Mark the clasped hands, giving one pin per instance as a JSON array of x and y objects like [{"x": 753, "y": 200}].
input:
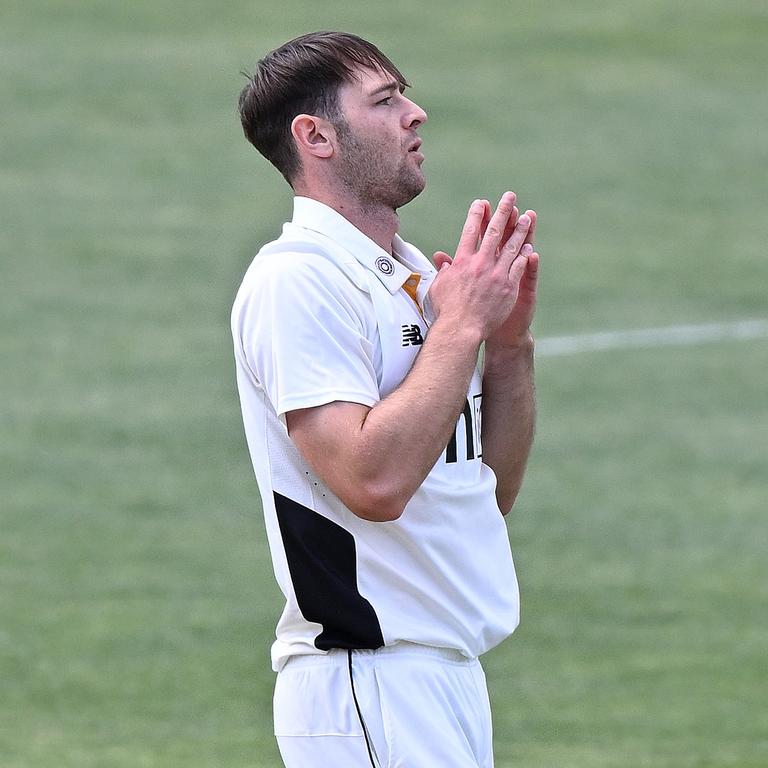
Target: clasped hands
[{"x": 489, "y": 286}]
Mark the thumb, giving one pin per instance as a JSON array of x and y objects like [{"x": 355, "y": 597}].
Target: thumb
[{"x": 441, "y": 260}]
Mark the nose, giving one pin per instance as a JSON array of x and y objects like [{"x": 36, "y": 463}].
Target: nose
[{"x": 414, "y": 115}]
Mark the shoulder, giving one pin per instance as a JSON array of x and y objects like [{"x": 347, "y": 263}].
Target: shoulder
[
  {"x": 301, "y": 280},
  {"x": 300, "y": 266}
]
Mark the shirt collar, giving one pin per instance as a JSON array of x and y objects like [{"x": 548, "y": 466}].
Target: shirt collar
[{"x": 320, "y": 218}]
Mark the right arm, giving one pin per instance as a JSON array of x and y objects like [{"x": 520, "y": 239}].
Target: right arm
[{"x": 375, "y": 458}]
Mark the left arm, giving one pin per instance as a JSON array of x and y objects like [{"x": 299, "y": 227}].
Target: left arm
[
  {"x": 509, "y": 416},
  {"x": 509, "y": 401},
  {"x": 509, "y": 404}
]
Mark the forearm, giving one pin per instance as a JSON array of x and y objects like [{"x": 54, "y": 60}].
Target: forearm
[{"x": 509, "y": 416}]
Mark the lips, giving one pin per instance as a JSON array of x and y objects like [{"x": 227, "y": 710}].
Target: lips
[{"x": 414, "y": 151}]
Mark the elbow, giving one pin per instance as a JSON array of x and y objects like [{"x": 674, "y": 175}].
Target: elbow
[
  {"x": 506, "y": 501},
  {"x": 378, "y": 502}
]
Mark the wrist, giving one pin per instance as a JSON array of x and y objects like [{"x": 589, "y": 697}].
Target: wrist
[
  {"x": 460, "y": 332},
  {"x": 508, "y": 360},
  {"x": 518, "y": 347}
]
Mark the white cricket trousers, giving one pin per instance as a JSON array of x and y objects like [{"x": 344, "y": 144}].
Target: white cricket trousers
[{"x": 402, "y": 706}]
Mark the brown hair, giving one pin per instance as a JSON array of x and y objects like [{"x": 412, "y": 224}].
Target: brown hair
[{"x": 302, "y": 77}]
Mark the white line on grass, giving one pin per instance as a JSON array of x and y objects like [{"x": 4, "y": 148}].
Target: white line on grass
[{"x": 670, "y": 336}]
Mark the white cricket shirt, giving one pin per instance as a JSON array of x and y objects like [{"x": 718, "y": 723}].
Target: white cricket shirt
[{"x": 322, "y": 316}]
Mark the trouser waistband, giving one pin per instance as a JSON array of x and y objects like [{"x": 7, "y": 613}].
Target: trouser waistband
[{"x": 396, "y": 649}]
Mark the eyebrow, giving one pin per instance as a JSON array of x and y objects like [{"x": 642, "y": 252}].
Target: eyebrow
[{"x": 392, "y": 85}]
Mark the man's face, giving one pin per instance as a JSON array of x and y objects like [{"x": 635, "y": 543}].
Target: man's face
[{"x": 378, "y": 155}]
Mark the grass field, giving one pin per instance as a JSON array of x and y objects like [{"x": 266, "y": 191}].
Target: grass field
[{"x": 137, "y": 602}]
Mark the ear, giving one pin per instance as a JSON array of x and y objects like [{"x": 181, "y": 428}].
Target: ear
[{"x": 313, "y": 135}]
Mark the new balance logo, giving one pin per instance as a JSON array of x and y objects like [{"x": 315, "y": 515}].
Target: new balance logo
[{"x": 412, "y": 335}]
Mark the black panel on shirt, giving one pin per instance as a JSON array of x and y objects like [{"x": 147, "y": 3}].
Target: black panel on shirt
[{"x": 322, "y": 562}]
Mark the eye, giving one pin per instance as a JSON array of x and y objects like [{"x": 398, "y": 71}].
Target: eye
[{"x": 386, "y": 101}]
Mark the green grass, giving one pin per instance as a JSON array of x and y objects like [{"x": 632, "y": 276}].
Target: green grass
[{"x": 137, "y": 601}]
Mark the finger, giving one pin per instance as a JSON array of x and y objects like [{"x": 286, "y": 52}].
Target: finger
[
  {"x": 526, "y": 251},
  {"x": 486, "y": 220},
  {"x": 441, "y": 259},
  {"x": 532, "y": 267},
  {"x": 510, "y": 228},
  {"x": 526, "y": 291},
  {"x": 513, "y": 246},
  {"x": 517, "y": 270},
  {"x": 472, "y": 228},
  {"x": 532, "y": 231},
  {"x": 532, "y": 273},
  {"x": 497, "y": 225}
]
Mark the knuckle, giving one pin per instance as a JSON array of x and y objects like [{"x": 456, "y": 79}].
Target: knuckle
[{"x": 476, "y": 270}]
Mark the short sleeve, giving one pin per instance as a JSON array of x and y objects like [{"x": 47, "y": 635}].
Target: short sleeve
[{"x": 301, "y": 327}]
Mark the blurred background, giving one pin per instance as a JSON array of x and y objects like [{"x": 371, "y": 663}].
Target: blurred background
[{"x": 137, "y": 602}]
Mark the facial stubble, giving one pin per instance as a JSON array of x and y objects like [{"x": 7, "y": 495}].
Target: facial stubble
[{"x": 367, "y": 170}]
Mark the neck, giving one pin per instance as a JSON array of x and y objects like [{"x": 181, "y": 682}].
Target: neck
[{"x": 375, "y": 220}]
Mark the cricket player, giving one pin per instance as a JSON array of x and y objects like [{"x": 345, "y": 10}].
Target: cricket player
[{"x": 385, "y": 455}]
